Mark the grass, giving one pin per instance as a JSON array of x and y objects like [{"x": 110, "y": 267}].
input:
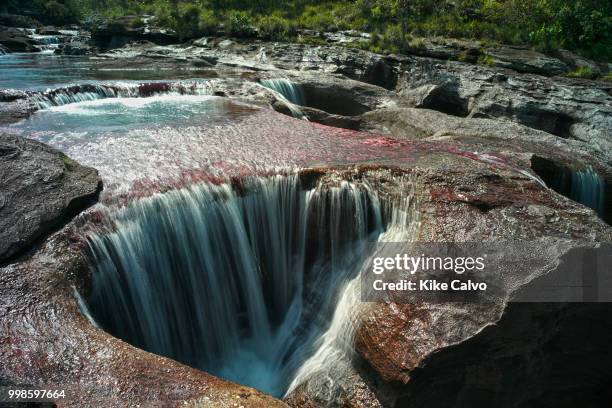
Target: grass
[
  {"x": 582, "y": 72},
  {"x": 486, "y": 60},
  {"x": 69, "y": 164},
  {"x": 607, "y": 77}
]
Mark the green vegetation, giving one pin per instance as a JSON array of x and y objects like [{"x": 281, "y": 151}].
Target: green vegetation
[
  {"x": 583, "y": 26},
  {"x": 69, "y": 164},
  {"x": 486, "y": 60},
  {"x": 607, "y": 77},
  {"x": 582, "y": 72}
]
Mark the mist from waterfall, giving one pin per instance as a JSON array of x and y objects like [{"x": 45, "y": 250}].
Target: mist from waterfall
[{"x": 240, "y": 282}]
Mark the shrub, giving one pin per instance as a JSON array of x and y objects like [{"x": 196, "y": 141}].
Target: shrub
[
  {"x": 239, "y": 24},
  {"x": 276, "y": 28},
  {"x": 209, "y": 22},
  {"x": 583, "y": 26},
  {"x": 57, "y": 11},
  {"x": 485, "y": 59},
  {"x": 137, "y": 22},
  {"x": 317, "y": 18},
  {"x": 582, "y": 72},
  {"x": 188, "y": 22}
]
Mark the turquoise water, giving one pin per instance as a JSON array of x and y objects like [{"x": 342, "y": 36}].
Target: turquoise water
[
  {"x": 100, "y": 117},
  {"x": 38, "y": 71}
]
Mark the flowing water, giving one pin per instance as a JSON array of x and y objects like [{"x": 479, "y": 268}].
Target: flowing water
[
  {"x": 257, "y": 282},
  {"x": 39, "y": 71},
  {"x": 240, "y": 285},
  {"x": 287, "y": 92},
  {"x": 254, "y": 283}
]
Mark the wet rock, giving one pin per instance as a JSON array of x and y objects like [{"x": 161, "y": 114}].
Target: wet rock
[
  {"x": 75, "y": 48},
  {"x": 524, "y": 60},
  {"x": 325, "y": 118},
  {"x": 483, "y": 133},
  {"x": 45, "y": 338},
  {"x": 341, "y": 96},
  {"x": 41, "y": 188},
  {"x": 505, "y": 366},
  {"x": 18, "y": 40},
  {"x": 418, "y": 347},
  {"x": 564, "y": 107},
  {"x": 48, "y": 30}
]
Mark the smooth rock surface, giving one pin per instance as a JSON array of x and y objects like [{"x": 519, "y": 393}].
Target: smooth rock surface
[
  {"x": 40, "y": 189},
  {"x": 44, "y": 339}
]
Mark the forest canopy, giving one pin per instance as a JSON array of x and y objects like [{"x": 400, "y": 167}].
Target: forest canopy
[{"x": 583, "y": 26}]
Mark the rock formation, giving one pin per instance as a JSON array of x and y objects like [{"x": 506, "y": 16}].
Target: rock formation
[{"x": 483, "y": 137}]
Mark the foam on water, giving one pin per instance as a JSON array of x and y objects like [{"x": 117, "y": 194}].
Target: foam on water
[{"x": 240, "y": 285}]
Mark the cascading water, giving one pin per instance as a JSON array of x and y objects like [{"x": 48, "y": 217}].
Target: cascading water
[
  {"x": 288, "y": 92},
  {"x": 49, "y": 43},
  {"x": 285, "y": 87},
  {"x": 588, "y": 188},
  {"x": 238, "y": 284},
  {"x": 90, "y": 92},
  {"x": 584, "y": 186}
]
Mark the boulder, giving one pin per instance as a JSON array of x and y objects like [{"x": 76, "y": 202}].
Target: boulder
[
  {"x": 40, "y": 189},
  {"x": 75, "y": 48},
  {"x": 201, "y": 42},
  {"x": 524, "y": 60},
  {"x": 18, "y": 40},
  {"x": 46, "y": 338},
  {"x": 564, "y": 107},
  {"x": 225, "y": 44}
]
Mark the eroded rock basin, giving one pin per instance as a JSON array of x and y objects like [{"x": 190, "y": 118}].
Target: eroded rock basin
[{"x": 196, "y": 183}]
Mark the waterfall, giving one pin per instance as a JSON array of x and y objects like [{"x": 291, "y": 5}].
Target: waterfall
[
  {"x": 49, "y": 43},
  {"x": 588, "y": 188},
  {"x": 334, "y": 348},
  {"x": 288, "y": 92},
  {"x": 584, "y": 186},
  {"x": 285, "y": 87},
  {"x": 89, "y": 92},
  {"x": 238, "y": 281}
]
